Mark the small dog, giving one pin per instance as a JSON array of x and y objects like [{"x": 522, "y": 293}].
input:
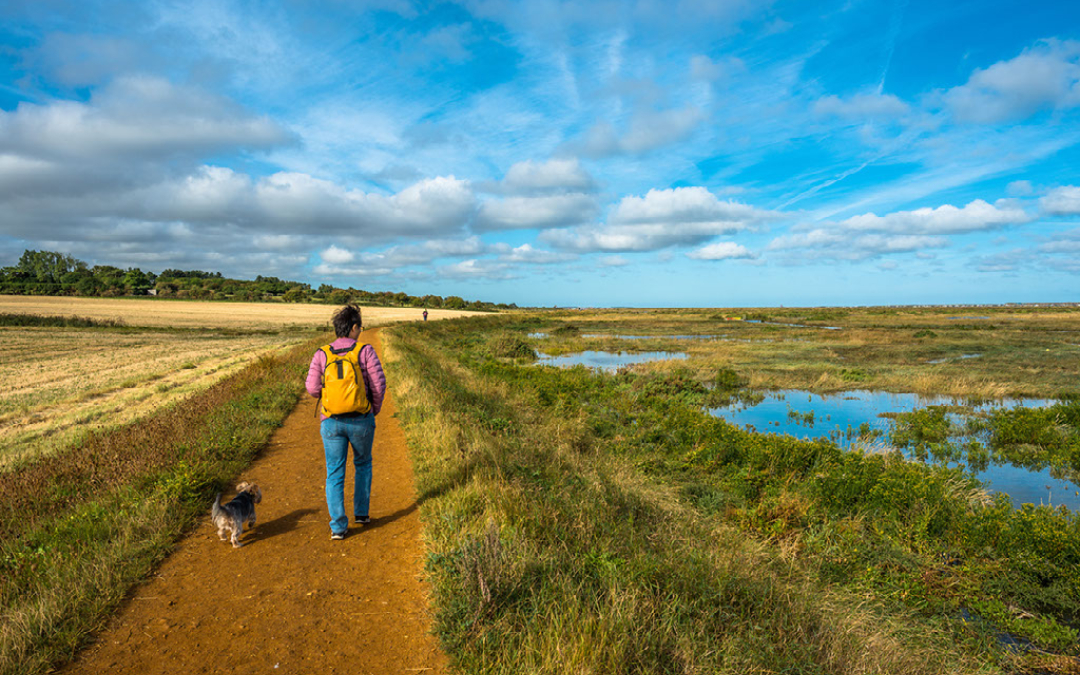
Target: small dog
[{"x": 232, "y": 515}]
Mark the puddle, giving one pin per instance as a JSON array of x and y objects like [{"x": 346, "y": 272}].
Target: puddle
[
  {"x": 843, "y": 417},
  {"x": 955, "y": 358},
  {"x": 791, "y": 325},
  {"x": 654, "y": 337},
  {"x": 606, "y": 361}
]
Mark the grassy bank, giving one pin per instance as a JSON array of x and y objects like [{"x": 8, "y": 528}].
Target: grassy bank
[
  {"x": 79, "y": 528},
  {"x": 579, "y": 522}
]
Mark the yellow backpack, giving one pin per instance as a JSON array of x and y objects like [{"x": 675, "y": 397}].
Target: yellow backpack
[{"x": 344, "y": 390}]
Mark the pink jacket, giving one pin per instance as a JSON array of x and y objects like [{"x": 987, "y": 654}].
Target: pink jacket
[{"x": 369, "y": 364}]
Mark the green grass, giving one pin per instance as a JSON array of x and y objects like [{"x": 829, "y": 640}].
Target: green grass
[{"x": 579, "y": 522}]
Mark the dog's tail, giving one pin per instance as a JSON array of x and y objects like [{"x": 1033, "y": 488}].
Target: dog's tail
[{"x": 215, "y": 511}]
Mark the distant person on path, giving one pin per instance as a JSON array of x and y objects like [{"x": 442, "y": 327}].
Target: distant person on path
[
  {"x": 350, "y": 394},
  {"x": 425, "y": 315}
]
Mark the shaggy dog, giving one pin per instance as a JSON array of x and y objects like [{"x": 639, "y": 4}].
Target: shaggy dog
[{"x": 230, "y": 517}]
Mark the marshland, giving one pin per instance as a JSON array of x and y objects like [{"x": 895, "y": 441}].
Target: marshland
[
  {"x": 610, "y": 519},
  {"x": 602, "y": 519}
]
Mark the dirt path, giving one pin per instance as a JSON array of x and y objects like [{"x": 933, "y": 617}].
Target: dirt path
[{"x": 290, "y": 600}]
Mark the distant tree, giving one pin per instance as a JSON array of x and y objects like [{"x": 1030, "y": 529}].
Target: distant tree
[
  {"x": 453, "y": 302},
  {"x": 47, "y": 266}
]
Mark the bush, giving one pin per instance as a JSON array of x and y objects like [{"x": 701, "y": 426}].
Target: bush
[{"x": 510, "y": 346}]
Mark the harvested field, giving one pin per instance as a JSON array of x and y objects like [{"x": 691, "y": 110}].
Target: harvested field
[
  {"x": 59, "y": 384},
  {"x": 62, "y": 382},
  {"x": 159, "y": 312}
]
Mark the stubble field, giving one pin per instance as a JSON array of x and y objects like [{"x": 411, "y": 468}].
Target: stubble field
[{"x": 61, "y": 382}]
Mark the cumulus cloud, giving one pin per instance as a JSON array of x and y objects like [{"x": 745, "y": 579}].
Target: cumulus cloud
[
  {"x": 335, "y": 255},
  {"x": 1062, "y": 201},
  {"x": 722, "y": 250},
  {"x": 870, "y": 235},
  {"x": 281, "y": 203},
  {"x": 1044, "y": 77},
  {"x": 342, "y": 262},
  {"x": 477, "y": 269},
  {"x": 554, "y": 175},
  {"x": 861, "y": 106},
  {"x": 646, "y": 132},
  {"x": 848, "y": 246},
  {"x": 519, "y": 213},
  {"x": 946, "y": 219},
  {"x": 662, "y": 218},
  {"x": 526, "y": 253},
  {"x": 136, "y": 118}
]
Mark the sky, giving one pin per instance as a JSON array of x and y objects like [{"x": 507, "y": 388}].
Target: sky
[{"x": 657, "y": 153}]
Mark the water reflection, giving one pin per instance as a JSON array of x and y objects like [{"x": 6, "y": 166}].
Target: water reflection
[
  {"x": 855, "y": 420},
  {"x": 606, "y": 361}
]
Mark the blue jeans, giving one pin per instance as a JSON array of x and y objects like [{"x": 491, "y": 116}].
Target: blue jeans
[{"x": 337, "y": 434}]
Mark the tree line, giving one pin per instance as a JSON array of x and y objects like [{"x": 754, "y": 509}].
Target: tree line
[{"x": 52, "y": 273}]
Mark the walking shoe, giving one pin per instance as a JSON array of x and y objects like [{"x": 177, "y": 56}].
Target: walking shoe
[
  {"x": 362, "y": 520},
  {"x": 336, "y": 537}
]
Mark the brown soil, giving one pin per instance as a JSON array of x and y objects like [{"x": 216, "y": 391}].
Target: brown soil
[{"x": 290, "y": 600}]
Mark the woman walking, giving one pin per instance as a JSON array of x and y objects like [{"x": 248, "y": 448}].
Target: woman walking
[{"x": 347, "y": 378}]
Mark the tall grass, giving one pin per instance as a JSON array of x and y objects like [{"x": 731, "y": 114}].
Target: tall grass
[
  {"x": 77, "y": 530},
  {"x": 554, "y": 549}
]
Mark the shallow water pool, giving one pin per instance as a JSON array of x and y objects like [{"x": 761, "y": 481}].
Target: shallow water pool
[
  {"x": 839, "y": 417},
  {"x": 606, "y": 361}
]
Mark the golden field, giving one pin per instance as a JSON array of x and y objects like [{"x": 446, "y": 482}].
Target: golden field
[
  {"x": 61, "y": 382},
  {"x": 160, "y": 312}
]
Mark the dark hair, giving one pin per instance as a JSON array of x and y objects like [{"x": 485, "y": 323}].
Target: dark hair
[{"x": 345, "y": 318}]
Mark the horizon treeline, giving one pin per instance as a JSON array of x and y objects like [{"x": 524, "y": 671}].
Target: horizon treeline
[{"x": 52, "y": 273}]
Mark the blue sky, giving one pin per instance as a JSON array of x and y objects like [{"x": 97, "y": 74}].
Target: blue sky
[{"x": 676, "y": 153}]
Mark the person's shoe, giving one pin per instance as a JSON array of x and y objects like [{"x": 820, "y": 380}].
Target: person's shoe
[
  {"x": 337, "y": 537},
  {"x": 362, "y": 520}
]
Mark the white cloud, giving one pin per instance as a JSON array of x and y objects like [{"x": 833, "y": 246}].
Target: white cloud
[
  {"x": 704, "y": 68},
  {"x": 723, "y": 250},
  {"x": 870, "y": 235},
  {"x": 335, "y": 255},
  {"x": 647, "y": 131},
  {"x": 476, "y": 269},
  {"x": 554, "y": 175},
  {"x": 614, "y": 261},
  {"x": 520, "y": 213},
  {"x": 946, "y": 219},
  {"x": 277, "y": 204},
  {"x": 136, "y": 118},
  {"x": 662, "y": 218},
  {"x": 1019, "y": 188},
  {"x": 1062, "y": 201},
  {"x": 526, "y": 253},
  {"x": 840, "y": 245},
  {"x": 1044, "y": 77},
  {"x": 861, "y": 106}
]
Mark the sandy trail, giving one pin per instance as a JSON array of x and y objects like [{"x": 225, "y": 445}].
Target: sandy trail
[{"x": 290, "y": 600}]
